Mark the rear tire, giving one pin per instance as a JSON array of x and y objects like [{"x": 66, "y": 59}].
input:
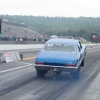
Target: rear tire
[
  {"x": 41, "y": 73},
  {"x": 76, "y": 75},
  {"x": 59, "y": 72}
]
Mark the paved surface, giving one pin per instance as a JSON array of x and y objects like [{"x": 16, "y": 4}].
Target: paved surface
[{"x": 21, "y": 82}]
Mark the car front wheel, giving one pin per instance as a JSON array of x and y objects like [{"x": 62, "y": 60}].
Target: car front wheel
[{"x": 82, "y": 63}]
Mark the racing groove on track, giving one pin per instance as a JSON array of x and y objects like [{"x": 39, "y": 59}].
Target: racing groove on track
[{"x": 27, "y": 86}]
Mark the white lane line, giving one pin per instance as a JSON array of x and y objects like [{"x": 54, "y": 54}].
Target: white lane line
[
  {"x": 15, "y": 68},
  {"x": 22, "y": 62}
]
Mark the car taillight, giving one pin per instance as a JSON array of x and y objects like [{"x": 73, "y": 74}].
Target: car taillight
[
  {"x": 70, "y": 65},
  {"x": 39, "y": 63}
]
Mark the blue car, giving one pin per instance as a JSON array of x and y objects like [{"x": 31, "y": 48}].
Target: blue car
[{"x": 60, "y": 55}]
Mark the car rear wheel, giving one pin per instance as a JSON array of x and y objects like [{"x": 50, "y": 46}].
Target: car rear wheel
[
  {"x": 76, "y": 75},
  {"x": 41, "y": 73},
  {"x": 59, "y": 72}
]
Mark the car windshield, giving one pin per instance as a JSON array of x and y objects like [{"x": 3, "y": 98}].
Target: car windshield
[{"x": 60, "y": 47}]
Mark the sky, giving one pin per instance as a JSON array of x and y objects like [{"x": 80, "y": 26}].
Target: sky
[{"x": 65, "y": 8}]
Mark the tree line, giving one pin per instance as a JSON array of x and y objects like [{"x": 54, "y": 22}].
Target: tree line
[{"x": 61, "y": 26}]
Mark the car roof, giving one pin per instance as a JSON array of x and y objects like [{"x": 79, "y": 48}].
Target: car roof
[{"x": 58, "y": 40}]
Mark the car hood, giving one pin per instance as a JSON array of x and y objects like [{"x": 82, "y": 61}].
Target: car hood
[{"x": 58, "y": 57}]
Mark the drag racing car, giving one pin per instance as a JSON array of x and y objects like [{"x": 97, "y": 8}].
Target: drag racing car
[{"x": 61, "y": 55}]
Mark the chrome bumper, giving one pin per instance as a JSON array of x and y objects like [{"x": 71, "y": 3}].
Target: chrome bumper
[{"x": 62, "y": 68}]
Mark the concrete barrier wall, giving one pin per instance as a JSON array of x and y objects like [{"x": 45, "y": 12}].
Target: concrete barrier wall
[
  {"x": 26, "y": 46},
  {"x": 20, "y": 46}
]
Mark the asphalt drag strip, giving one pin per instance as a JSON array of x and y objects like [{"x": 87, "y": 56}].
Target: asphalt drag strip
[
  {"x": 6, "y": 67},
  {"x": 22, "y": 84},
  {"x": 13, "y": 75}
]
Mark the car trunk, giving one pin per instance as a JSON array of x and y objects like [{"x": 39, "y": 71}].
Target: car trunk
[{"x": 56, "y": 58}]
